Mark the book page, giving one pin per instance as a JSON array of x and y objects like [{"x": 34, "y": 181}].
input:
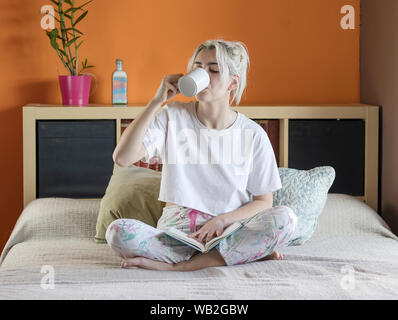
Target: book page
[
  {"x": 227, "y": 232},
  {"x": 183, "y": 236}
]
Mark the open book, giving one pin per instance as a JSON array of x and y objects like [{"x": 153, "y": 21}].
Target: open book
[{"x": 203, "y": 247}]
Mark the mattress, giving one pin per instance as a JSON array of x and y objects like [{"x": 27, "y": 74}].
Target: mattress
[{"x": 352, "y": 255}]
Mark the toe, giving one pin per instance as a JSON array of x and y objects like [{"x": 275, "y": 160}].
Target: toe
[
  {"x": 132, "y": 262},
  {"x": 278, "y": 256}
]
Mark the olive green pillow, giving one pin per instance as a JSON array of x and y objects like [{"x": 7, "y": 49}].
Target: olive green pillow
[{"x": 132, "y": 193}]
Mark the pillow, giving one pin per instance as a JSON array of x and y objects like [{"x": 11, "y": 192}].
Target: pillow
[
  {"x": 132, "y": 193},
  {"x": 305, "y": 192}
]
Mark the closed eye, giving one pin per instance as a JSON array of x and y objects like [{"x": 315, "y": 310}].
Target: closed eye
[{"x": 212, "y": 71}]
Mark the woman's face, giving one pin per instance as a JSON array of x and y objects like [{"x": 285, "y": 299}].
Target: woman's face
[{"x": 218, "y": 88}]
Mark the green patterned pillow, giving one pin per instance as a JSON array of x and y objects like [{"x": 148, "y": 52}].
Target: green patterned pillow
[{"x": 305, "y": 192}]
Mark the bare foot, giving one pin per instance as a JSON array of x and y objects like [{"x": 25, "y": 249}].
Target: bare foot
[
  {"x": 273, "y": 256},
  {"x": 145, "y": 263}
]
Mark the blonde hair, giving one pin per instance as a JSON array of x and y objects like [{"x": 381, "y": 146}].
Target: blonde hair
[{"x": 232, "y": 58}]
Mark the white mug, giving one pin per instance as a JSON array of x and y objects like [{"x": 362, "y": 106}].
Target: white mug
[{"x": 194, "y": 82}]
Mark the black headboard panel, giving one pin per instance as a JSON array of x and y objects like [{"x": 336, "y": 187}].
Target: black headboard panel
[
  {"x": 74, "y": 157},
  {"x": 329, "y": 142}
]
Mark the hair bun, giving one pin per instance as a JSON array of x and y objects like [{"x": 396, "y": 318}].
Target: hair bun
[{"x": 238, "y": 50}]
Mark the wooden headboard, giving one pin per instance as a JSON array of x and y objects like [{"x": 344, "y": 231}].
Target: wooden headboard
[{"x": 313, "y": 123}]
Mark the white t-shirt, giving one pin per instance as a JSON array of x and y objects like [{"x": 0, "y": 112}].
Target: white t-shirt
[{"x": 213, "y": 171}]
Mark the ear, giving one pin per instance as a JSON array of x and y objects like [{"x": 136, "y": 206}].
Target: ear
[{"x": 234, "y": 82}]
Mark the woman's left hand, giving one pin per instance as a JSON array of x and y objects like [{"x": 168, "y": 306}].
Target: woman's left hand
[{"x": 214, "y": 227}]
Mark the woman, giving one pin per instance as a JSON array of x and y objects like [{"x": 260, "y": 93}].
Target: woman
[{"x": 210, "y": 194}]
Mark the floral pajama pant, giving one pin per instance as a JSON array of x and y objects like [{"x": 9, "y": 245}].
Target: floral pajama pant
[{"x": 260, "y": 235}]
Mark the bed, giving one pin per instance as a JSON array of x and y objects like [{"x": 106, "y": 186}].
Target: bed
[{"x": 352, "y": 254}]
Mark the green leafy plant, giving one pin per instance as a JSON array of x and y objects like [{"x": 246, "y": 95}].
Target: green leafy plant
[{"x": 64, "y": 37}]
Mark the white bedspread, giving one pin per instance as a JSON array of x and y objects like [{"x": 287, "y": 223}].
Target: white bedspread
[{"x": 352, "y": 255}]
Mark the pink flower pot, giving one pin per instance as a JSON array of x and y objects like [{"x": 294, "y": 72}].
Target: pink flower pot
[{"x": 75, "y": 90}]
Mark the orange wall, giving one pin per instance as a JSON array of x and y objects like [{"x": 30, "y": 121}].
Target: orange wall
[{"x": 299, "y": 54}]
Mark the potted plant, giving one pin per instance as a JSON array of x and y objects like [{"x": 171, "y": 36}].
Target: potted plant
[{"x": 75, "y": 88}]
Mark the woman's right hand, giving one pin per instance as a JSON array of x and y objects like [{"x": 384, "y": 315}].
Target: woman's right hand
[{"x": 168, "y": 88}]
